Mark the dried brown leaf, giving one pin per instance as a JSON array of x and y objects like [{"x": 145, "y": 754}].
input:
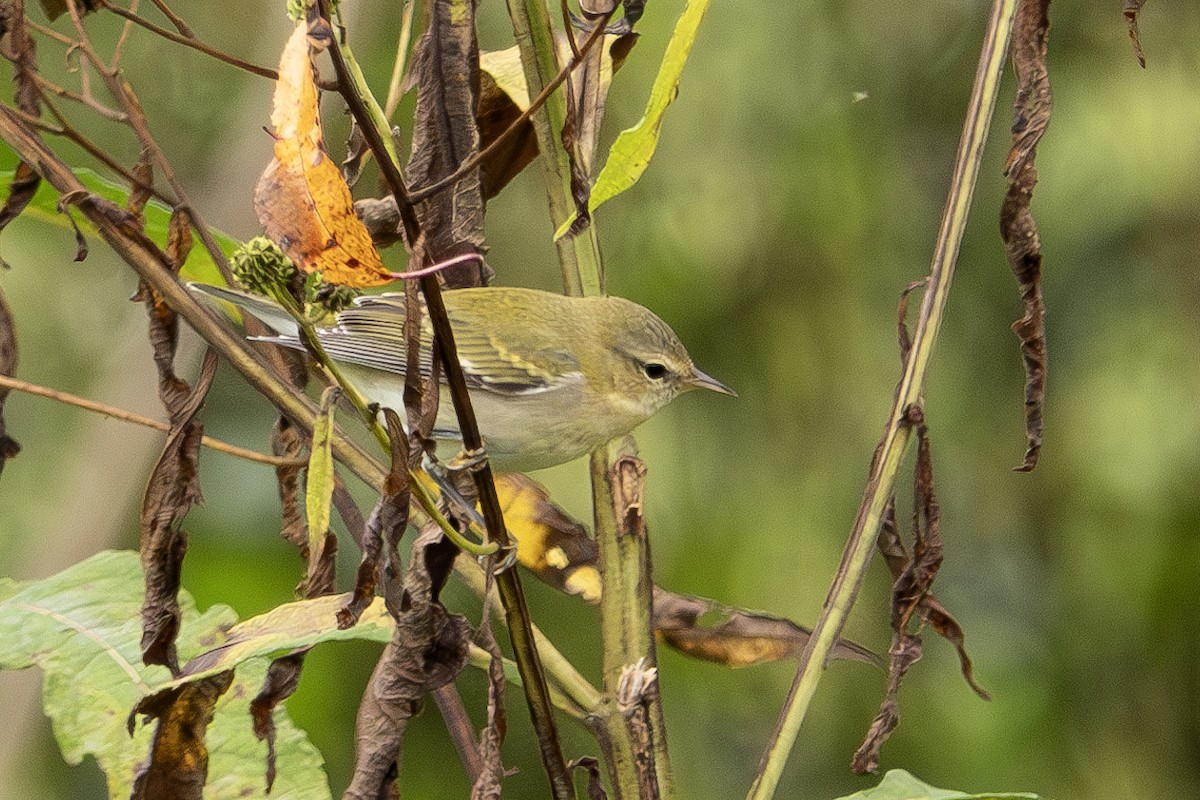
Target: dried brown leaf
[
  {"x": 445, "y": 134},
  {"x": 428, "y": 649},
  {"x": 595, "y": 786},
  {"x": 497, "y": 113},
  {"x": 8, "y": 366},
  {"x": 488, "y": 785},
  {"x": 173, "y": 488},
  {"x": 287, "y": 441},
  {"x": 178, "y": 763},
  {"x": 56, "y": 8},
  {"x": 733, "y": 637},
  {"x": 381, "y": 557},
  {"x": 281, "y": 682},
  {"x": 1131, "y": 11},
  {"x": 627, "y": 477},
  {"x": 504, "y": 95},
  {"x": 912, "y": 595},
  {"x": 1022, "y": 245},
  {"x": 21, "y": 190},
  {"x": 179, "y": 238},
  {"x": 906, "y": 651},
  {"x": 139, "y": 191},
  {"x": 357, "y": 151},
  {"x": 64, "y": 208}
]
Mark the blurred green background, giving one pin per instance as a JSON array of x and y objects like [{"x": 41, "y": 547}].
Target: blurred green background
[{"x": 774, "y": 230}]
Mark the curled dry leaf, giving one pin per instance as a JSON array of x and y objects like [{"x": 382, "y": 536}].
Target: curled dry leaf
[
  {"x": 912, "y": 599},
  {"x": 428, "y": 649},
  {"x": 173, "y": 488},
  {"x": 445, "y": 134},
  {"x": 1131, "y": 11},
  {"x": 491, "y": 775},
  {"x": 8, "y": 366},
  {"x": 906, "y": 651},
  {"x": 595, "y": 786},
  {"x": 178, "y": 762},
  {"x": 302, "y": 200},
  {"x": 1017, "y": 227},
  {"x": 710, "y": 631},
  {"x": 283, "y": 678},
  {"x": 380, "y": 562},
  {"x": 23, "y": 53}
]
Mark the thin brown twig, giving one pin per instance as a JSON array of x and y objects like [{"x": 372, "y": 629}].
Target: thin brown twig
[
  {"x": 67, "y": 130},
  {"x": 568, "y": 28},
  {"x": 176, "y": 20},
  {"x": 136, "y": 119},
  {"x": 85, "y": 98},
  {"x": 137, "y": 419},
  {"x": 124, "y": 37},
  {"x": 50, "y": 32},
  {"x": 417, "y": 195},
  {"x": 189, "y": 41}
]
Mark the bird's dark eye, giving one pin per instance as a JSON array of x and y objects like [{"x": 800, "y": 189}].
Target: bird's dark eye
[{"x": 655, "y": 372}]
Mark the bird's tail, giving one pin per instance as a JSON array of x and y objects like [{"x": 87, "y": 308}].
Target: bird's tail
[{"x": 262, "y": 307}]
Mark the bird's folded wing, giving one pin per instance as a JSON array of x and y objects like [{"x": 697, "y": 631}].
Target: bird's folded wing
[{"x": 523, "y": 362}]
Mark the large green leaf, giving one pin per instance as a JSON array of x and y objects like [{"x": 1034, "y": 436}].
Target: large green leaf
[
  {"x": 44, "y": 206},
  {"x": 82, "y": 627},
  {"x": 900, "y": 785}
]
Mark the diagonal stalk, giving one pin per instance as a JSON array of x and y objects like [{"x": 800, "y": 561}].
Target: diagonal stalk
[
  {"x": 905, "y": 410},
  {"x": 537, "y": 693}
]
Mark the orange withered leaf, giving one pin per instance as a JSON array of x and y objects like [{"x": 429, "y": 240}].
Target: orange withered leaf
[{"x": 301, "y": 199}]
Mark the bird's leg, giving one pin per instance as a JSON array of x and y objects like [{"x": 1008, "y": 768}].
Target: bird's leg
[
  {"x": 468, "y": 460},
  {"x": 443, "y": 475}
]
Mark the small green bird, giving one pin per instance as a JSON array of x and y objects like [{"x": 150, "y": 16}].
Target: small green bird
[{"x": 551, "y": 377}]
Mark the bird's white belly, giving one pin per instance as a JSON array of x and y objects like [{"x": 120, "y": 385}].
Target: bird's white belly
[{"x": 520, "y": 432}]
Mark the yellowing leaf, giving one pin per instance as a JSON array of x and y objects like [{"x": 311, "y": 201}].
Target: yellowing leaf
[
  {"x": 549, "y": 543},
  {"x": 301, "y": 199}
]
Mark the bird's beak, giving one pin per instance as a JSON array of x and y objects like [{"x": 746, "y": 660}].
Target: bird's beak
[{"x": 698, "y": 380}]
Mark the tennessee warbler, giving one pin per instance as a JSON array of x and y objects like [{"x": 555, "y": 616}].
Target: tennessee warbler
[{"x": 551, "y": 377}]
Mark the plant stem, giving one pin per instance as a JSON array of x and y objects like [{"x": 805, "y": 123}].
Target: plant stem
[
  {"x": 857, "y": 554},
  {"x": 579, "y": 256}
]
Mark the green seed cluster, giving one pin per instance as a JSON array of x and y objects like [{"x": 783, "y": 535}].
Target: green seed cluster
[{"x": 262, "y": 267}]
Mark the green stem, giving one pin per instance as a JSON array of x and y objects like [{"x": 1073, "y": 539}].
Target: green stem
[
  {"x": 880, "y": 485},
  {"x": 579, "y": 256}
]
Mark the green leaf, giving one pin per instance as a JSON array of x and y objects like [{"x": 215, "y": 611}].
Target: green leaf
[
  {"x": 82, "y": 627},
  {"x": 44, "y": 206},
  {"x": 631, "y": 152},
  {"x": 318, "y": 492},
  {"x": 900, "y": 785}
]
